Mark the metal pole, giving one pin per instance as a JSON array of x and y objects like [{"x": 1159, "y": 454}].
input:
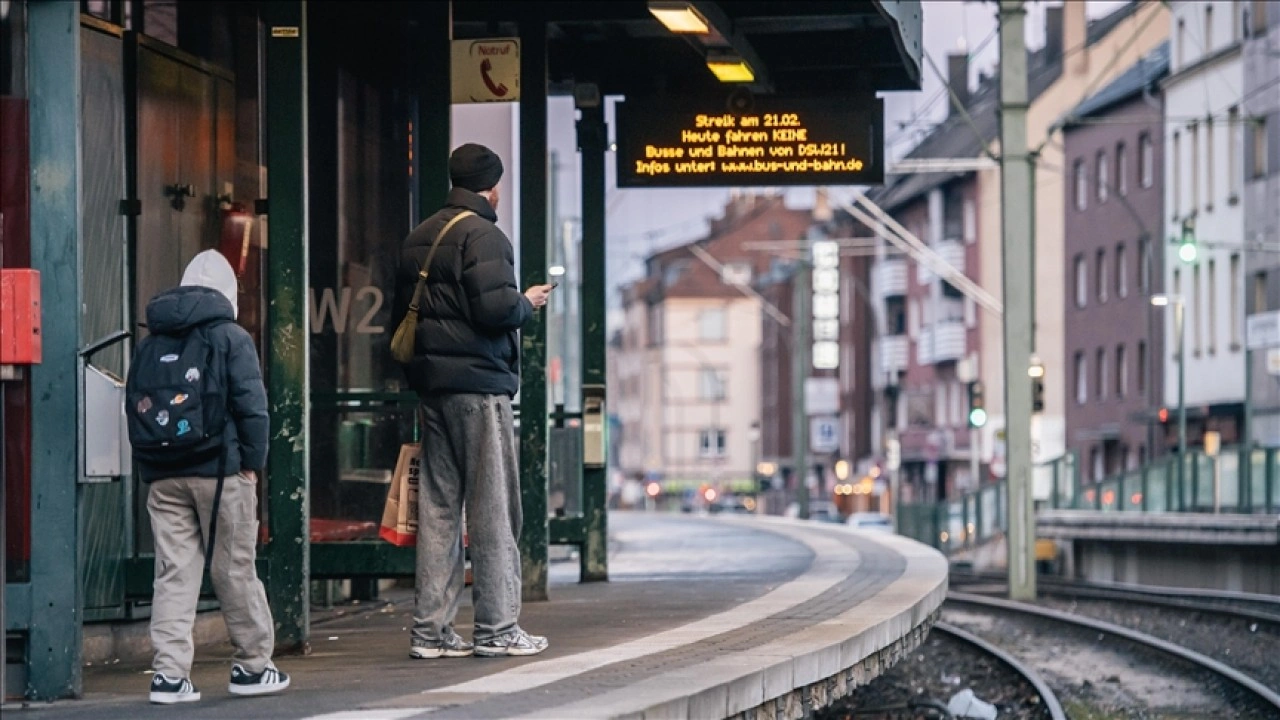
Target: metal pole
[
  {"x": 593, "y": 143},
  {"x": 1245, "y": 501},
  {"x": 1018, "y": 240},
  {"x": 974, "y": 482},
  {"x": 799, "y": 372},
  {"x": 1179, "y": 316}
]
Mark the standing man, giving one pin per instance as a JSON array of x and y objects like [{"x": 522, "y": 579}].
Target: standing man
[
  {"x": 198, "y": 423},
  {"x": 466, "y": 370}
]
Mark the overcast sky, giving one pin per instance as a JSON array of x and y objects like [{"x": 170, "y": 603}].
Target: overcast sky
[{"x": 641, "y": 221}]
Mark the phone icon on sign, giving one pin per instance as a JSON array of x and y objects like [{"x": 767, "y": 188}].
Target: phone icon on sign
[{"x": 498, "y": 89}]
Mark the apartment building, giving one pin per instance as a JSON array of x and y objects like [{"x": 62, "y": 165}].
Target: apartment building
[
  {"x": 1114, "y": 253},
  {"x": 942, "y": 340},
  {"x": 688, "y": 398},
  {"x": 1260, "y": 116},
  {"x": 1204, "y": 133}
]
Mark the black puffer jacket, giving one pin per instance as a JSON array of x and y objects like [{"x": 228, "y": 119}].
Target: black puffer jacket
[
  {"x": 466, "y": 340},
  {"x": 234, "y": 364}
]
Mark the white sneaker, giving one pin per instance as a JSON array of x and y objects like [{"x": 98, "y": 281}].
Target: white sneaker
[
  {"x": 268, "y": 681},
  {"x": 515, "y": 643}
]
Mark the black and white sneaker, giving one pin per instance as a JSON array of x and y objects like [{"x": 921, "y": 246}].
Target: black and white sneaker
[
  {"x": 167, "y": 691},
  {"x": 450, "y": 645},
  {"x": 268, "y": 681},
  {"x": 515, "y": 643}
]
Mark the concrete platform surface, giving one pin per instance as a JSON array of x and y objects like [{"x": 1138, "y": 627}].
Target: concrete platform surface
[{"x": 702, "y": 618}]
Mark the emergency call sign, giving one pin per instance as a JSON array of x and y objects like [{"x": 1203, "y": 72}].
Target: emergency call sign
[{"x": 777, "y": 141}]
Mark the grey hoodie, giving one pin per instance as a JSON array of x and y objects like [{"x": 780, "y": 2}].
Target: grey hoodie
[{"x": 208, "y": 295}]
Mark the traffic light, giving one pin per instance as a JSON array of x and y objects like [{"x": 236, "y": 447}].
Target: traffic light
[
  {"x": 1036, "y": 371},
  {"x": 977, "y": 406},
  {"x": 1187, "y": 249},
  {"x": 1163, "y": 415}
]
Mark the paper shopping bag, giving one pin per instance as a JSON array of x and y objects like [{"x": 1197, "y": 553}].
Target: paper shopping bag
[{"x": 400, "y": 514}]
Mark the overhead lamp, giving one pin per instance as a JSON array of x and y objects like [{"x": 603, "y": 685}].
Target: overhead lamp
[
  {"x": 730, "y": 69},
  {"x": 680, "y": 17}
]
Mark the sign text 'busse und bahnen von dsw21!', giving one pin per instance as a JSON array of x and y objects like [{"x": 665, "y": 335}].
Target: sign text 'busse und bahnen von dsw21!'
[{"x": 776, "y": 142}]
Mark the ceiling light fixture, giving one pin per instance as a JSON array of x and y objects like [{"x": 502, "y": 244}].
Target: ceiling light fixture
[
  {"x": 730, "y": 69},
  {"x": 680, "y": 17}
]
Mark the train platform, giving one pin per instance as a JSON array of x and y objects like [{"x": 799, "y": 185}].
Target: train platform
[{"x": 703, "y": 617}]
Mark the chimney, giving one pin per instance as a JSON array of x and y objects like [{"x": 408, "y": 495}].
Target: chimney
[
  {"x": 1053, "y": 33},
  {"x": 1074, "y": 31},
  {"x": 958, "y": 79}
]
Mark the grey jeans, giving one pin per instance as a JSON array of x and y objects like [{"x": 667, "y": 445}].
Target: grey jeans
[
  {"x": 469, "y": 461},
  {"x": 180, "y": 510}
]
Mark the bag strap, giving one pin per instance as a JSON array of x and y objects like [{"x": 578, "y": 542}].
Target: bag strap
[
  {"x": 426, "y": 267},
  {"x": 217, "y": 507}
]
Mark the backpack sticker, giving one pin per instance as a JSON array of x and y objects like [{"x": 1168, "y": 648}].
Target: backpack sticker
[
  {"x": 193, "y": 374},
  {"x": 144, "y": 405},
  {"x": 162, "y": 418},
  {"x": 184, "y": 427},
  {"x": 171, "y": 357},
  {"x": 178, "y": 399}
]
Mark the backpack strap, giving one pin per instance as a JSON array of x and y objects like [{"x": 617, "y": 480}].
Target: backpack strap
[{"x": 212, "y": 546}]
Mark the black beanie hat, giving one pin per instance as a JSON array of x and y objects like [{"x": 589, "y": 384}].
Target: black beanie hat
[{"x": 474, "y": 167}]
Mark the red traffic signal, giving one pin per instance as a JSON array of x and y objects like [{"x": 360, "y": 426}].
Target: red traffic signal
[{"x": 1163, "y": 415}]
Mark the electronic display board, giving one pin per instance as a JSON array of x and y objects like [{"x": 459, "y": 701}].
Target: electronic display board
[{"x": 777, "y": 141}]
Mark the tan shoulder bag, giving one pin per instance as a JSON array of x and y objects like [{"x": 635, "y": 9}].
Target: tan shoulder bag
[{"x": 402, "y": 341}]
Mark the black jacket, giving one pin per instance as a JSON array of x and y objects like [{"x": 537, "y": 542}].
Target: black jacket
[
  {"x": 235, "y": 364},
  {"x": 472, "y": 308}
]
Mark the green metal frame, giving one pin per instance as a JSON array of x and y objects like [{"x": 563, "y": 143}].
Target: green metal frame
[
  {"x": 54, "y": 619},
  {"x": 533, "y": 266},
  {"x": 288, "y": 499}
]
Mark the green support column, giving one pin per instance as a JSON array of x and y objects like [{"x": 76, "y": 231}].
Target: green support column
[
  {"x": 533, "y": 269},
  {"x": 288, "y": 381},
  {"x": 435, "y": 98},
  {"x": 592, "y": 142},
  {"x": 54, "y": 641}
]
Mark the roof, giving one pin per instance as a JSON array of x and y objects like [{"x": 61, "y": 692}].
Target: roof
[
  {"x": 955, "y": 138},
  {"x": 1142, "y": 76}
]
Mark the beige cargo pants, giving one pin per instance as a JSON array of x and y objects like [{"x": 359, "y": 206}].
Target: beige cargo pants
[{"x": 180, "y": 511}]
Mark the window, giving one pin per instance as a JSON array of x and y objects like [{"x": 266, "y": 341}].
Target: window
[
  {"x": 711, "y": 384},
  {"x": 1103, "y": 373},
  {"x": 1104, "y": 182},
  {"x": 970, "y": 220},
  {"x": 1208, "y": 165},
  {"x": 1176, "y": 185},
  {"x": 1122, "y": 272},
  {"x": 1193, "y": 137},
  {"x": 656, "y": 322},
  {"x": 1082, "y": 186},
  {"x": 1258, "y": 158},
  {"x": 1122, "y": 373},
  {"x": 1260, "y": 303},
  {"x": 1195, "y": 303},
  {"x": 1102, "y": 276},
  {"x": 711, "y": 325},
  {"x": 1212, "y": 313},
  {"x": 1259, "y": 12},
  {"x": 1082, "y": 282},
  {"x": 1234, "y": 283},
  {"x": 711, "y": 443},
  {"x": 1233, "y": 153},
  {"x": 1142, "y": 367},
  {"x": 913, "y": 318},
  {"x": 1082, "y": 379},
  {"x": 1208, "y": 29},
  {"x": 1144, "y": 265},
  {"x": 736, "y": 273},
  {"x": 1146, "y": 160},
  {"x": 1122, "y": 169}
]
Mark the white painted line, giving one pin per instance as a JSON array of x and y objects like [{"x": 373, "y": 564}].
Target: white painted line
[
  {"x": 833, "y": 562},
  {"x": 373, "y": 714}
]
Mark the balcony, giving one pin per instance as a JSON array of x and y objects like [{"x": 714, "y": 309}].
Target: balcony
[
  {"x": 891, "y": 278},
  {"x": 943, "y": 342},
  {"x": 953, "y": 253},
  {"x": 891, "y": 358}
]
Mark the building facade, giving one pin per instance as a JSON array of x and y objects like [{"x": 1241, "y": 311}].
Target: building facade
[
  {"x": 1114, "y": 254},
  {"x": 1204, "y": 135},
  {"x": 1260, "y": 25}
]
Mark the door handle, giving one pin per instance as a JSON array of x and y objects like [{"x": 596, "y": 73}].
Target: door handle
[{"x": 178, "y": 194}]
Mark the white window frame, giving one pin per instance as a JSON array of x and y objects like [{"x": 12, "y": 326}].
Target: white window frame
[
  {"x": 1081, "y": 184},
  {"x": 711, "y": 384},
  {"x": 1101, "y": 166},
  {"x": 1233, "y": 153},
  {"x": 1258, "y": 162},
  {"x": 1146, "y": 161},
  {"x": 717, "y": 334},
  {"x": 1104, "y": 373},
  {"x": 1082, "y": 377},
  {"x": 1082, "y": 280},
  {"x": 1211, "y": 273},
  {"x": 712, "y": 443},
  {"x": 1103, "y": 284},
  {"x": 1122, "y": 272},
  {"x": 1122, "y": 372},
  {"x": 1122, "y": 168}
]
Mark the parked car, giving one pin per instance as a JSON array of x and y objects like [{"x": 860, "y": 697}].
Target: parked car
[
  {"x": 820, "y": 510},
  {"x": 870, "y": 521}
]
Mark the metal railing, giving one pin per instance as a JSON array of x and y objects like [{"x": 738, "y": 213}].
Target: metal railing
[{"x": 981, "y": 515}]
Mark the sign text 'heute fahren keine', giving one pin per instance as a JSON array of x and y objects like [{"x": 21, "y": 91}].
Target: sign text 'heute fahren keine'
[{"x": 778, "y": 141}]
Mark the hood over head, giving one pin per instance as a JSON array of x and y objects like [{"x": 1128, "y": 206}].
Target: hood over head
[{"x": 208, "y": 292}]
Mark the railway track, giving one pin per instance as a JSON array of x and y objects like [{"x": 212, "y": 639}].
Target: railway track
[
  {"x": 1264, "y": 695},
  {"x": 1048, "y": 698}
]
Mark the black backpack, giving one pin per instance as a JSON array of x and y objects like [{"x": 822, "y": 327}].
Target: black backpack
[{"x": 176, "y": 406}]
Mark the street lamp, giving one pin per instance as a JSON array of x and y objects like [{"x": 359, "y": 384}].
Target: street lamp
[{"x": 1179, "y": 339}]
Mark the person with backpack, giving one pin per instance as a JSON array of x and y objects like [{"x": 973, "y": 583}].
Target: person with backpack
[
  {"x": 197, "y": 415},
  {"x": 459, "y": 345}
]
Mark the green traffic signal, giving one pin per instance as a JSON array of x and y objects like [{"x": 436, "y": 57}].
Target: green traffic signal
[
  {"x": 977, "y": 406},
  {"x": 1187, "y": 252},
  {"x": 977, "y": 417}
]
